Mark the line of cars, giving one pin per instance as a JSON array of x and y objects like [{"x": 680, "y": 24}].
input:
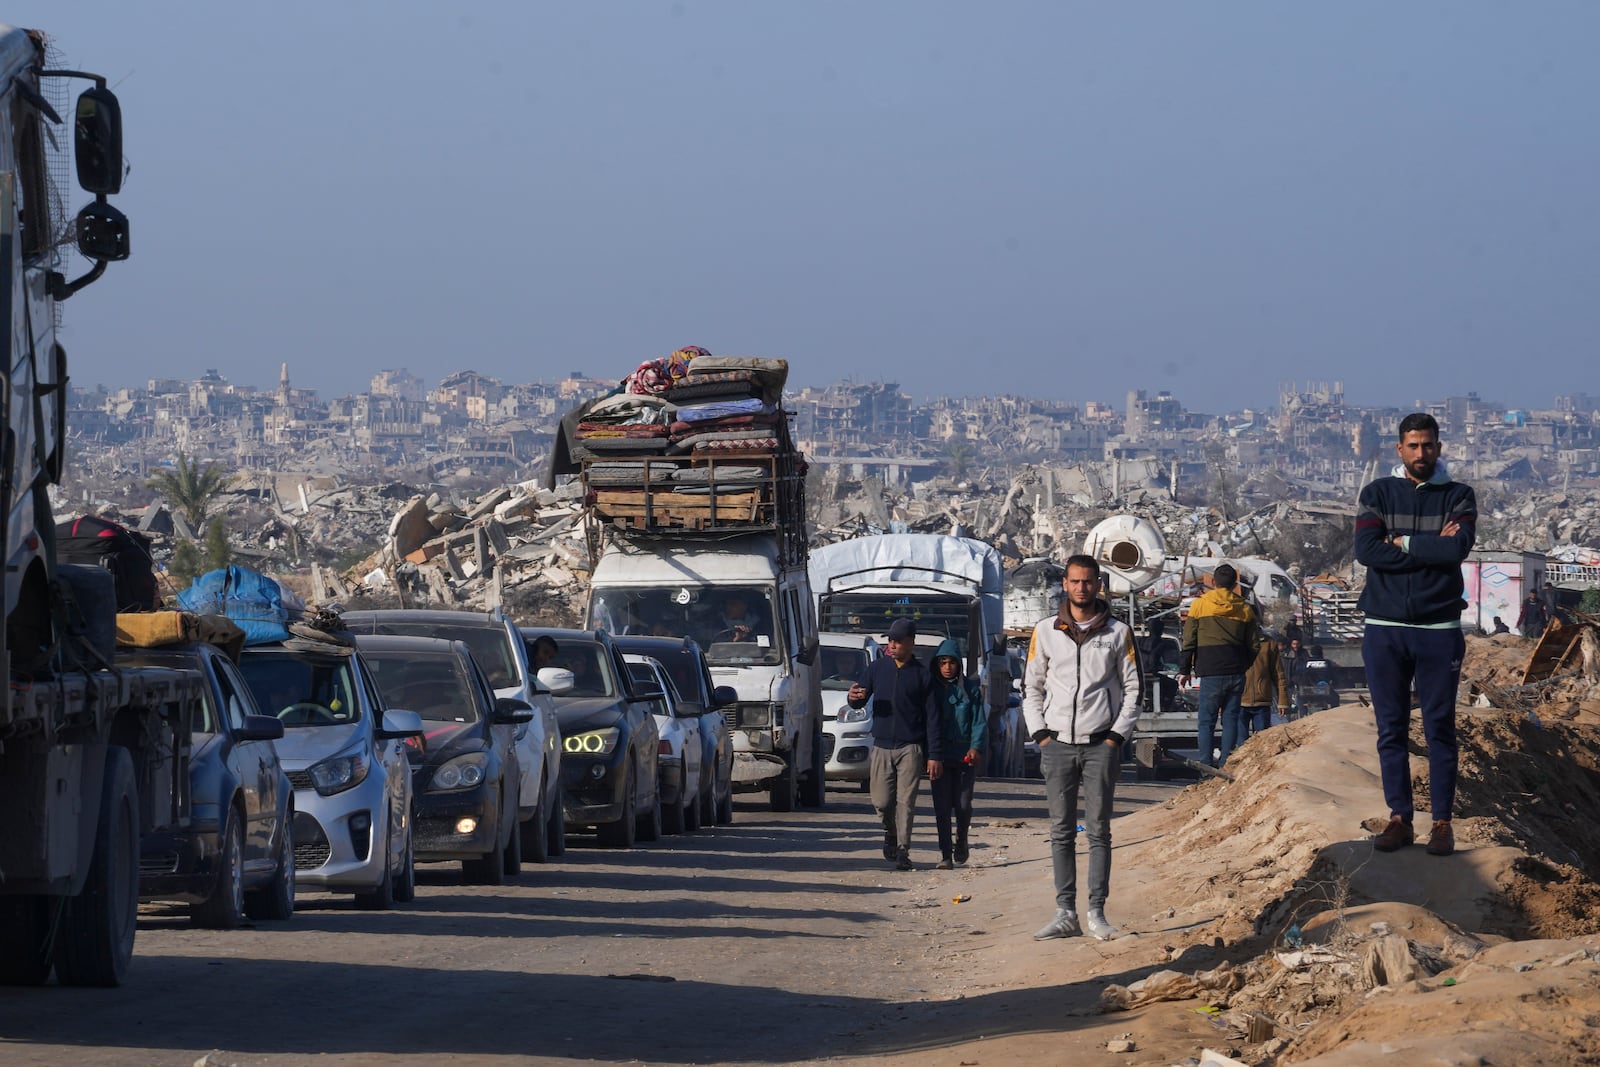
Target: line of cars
[{"x": 340, "y": 760}]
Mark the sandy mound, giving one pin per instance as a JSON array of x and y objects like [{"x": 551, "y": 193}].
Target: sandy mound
[{"x": 1277, "y": 865}]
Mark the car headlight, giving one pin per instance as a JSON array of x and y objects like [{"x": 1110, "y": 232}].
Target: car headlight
[
  {"x": 849, "y": 714},
  {"x": 463, "y": 772},
  {"x": 338, "y": 773},
  {"x": 593, "y": 743}
]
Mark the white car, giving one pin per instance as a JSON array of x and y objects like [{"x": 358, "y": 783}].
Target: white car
[
  {"x": 847, "y": 732},
  {"x": 681, "y": 756}
]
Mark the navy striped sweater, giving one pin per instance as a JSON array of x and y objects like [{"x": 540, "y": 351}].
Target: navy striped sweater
[{"x": 1421, "y": 583}]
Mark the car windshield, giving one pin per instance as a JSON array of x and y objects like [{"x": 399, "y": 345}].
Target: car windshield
[
  {"x": 841, "y": 666},
  {"x": 435, "y": 685},
  {"x": 490, "y": 645},
  {"x": 735, "y": 619},
  {"x": 302, "y": 689}
]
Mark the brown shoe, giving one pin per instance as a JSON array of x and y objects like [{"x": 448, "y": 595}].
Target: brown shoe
[
  {"x": 1442, "y": 841},
  {"x": 1399, "y": 832}
]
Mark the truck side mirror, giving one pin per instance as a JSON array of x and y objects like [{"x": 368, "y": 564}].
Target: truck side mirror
[
  {"x": 725, "y": 696},
  {"x": 97, "y": 140},
  {"x": 808, "y": 650},
  {"x": 102, "y": 232}
]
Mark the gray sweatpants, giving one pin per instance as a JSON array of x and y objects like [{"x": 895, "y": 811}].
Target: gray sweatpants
[
  {"x": 896, "y": 774},
  {"x": 1095, "y": 768}
]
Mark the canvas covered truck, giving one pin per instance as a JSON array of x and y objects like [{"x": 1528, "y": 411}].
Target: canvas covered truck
[
  {"x": 91, "y": 757},
  {"x": 695, "y": 502}
]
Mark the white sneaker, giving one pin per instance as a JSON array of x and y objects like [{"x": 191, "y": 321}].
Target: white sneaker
[
  {"x": 1065, "y": 924},
  {"x": 1098, "y": 927}
]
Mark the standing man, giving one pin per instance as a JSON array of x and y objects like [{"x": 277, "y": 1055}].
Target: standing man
[
  {"x": 1263, "y": 680},
  {"x": 997, "y": 690},
  {"x": 1219, "y": 644},
  {"x": 1533, "y": 618},
  {"x": 906, "y": 735},
  {"x": 1081, "y": 699},
  {"x": 1413, "y": 529}
]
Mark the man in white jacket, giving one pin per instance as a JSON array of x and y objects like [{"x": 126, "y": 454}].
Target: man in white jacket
[{"x": 1081, "y": 700}]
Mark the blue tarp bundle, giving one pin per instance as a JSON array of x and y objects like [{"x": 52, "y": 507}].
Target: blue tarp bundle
[{"x": 257, "y": 604}]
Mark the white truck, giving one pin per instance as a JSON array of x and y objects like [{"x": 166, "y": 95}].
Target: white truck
[
  {"x": 952, "y": 587},
  {"x": 90, "y": 758}
]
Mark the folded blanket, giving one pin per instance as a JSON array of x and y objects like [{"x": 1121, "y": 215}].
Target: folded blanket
[
  {"x": 587, "y": 430},
  {"x": 614, "y": 473},
  {"x": 725, "y": 385},
  {"x": 747, "y": 444},
  {"x": 749, "y": 439},
  {"x": 724, "y": 472},
  {"x": 706, "y": 363},
  {"x": 626, "y": 444},
  {"x": 723, "y": 409},
  {"x": 727, "y": 423}
]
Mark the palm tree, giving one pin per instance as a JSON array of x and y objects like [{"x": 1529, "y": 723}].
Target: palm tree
[{"x": 192, "y": 487}]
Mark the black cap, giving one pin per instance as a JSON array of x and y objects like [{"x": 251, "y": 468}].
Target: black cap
[{"x": 902, "y": 630}]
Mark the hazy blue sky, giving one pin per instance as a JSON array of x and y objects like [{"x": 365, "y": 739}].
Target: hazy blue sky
[{"x": 1053, "y": 198}]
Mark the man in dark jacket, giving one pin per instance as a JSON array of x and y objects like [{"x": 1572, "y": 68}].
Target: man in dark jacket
[
  {"x": 1533, "y": 618},
  {"x": 906, "y": 735},
  {"x": 1413, "y": 529}
]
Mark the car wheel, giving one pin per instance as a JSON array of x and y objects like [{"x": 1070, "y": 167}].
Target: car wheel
[
  {"x": 725, "y": 807},
  {"x": 674, "y": 816},
  {"x": 624, "y": 832},
  {"x": 25, "y": 927},
  {"x": 487, "y": 869},
  {"x": 405, "y": 886},
  {"x": 223, "y": 909},
  {"x": 275, "y": 901},
  {"x": 691, "y": 811},
  {"x": 708, "y": 798},
  {"x": 535, "y": 833},
  {"x": 511, "y": 855},
  {"x": 555, "y": 834},
  {"x": 381, "y": 897},
  {"x": 650, "y": 821}
]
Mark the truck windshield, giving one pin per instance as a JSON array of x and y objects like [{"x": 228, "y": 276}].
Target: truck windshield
[
  {"x": 733, "y": 623},
  {"x": 937, "y": 614}
]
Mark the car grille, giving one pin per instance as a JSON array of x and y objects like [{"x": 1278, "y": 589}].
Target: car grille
[
  {"x": 828, "y": 741},
  {"x": 311, "y": 848},
  {"x": 300, "y": 779},
  {"x": 159, "y": 863}
]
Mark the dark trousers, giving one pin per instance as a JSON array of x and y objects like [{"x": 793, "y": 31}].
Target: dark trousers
[
  {"x": 1398, "y": 657},
  {"x": 1220, "y": 695},
  {"x": 1258, "y": 717},
  {"x": 952, "y": 792}
]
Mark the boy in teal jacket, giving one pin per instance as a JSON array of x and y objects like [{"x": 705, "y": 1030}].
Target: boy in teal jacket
[{"x": 963, "y": 736}]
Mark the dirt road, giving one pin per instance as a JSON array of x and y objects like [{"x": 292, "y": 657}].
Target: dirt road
[{"x": 780, "y": 938}]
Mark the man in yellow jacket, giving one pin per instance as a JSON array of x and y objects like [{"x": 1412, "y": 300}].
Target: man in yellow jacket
[{"x": 1220, "y": 639}]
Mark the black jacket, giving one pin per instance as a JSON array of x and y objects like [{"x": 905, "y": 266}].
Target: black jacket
[
  {"x": 1421, "y": 583},
  {"x": 903, "y": 711}
]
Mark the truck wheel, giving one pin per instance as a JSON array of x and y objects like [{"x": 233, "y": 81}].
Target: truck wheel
[
  {"x": 94, "y": 944},
  {"x": 223, "y": 909},
  {"x": 275, "y": 900},
  {"x": 25, "y": 923},
  {"x": 784, "y": 786},
  {"x": 625, "y": 831},
  {"x": 814, "y": 789}
]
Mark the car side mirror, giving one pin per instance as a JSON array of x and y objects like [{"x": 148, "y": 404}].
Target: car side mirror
[
  {"x": 510, "y": 711},
  {"x": 399, "y": 723},
  {"x": 261, "y": 728},
  {"x": 808, "y": 650},
  {"x": 725, "y": 695},
  {"x": 557, "y": 679}
]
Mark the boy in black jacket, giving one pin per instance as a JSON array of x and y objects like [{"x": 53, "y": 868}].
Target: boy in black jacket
[{"x": 1412, "y": 532}]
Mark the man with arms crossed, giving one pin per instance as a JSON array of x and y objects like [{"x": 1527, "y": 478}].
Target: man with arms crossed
[
  {"x": 1413, "y": 529},
  {"x": 1080, "y": 700}
]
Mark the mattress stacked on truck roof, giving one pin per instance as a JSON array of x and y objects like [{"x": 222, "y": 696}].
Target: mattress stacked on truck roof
[{"x": 694, "y": 442}]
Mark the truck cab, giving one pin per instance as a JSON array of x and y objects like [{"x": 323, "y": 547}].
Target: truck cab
[{"x": 753, "y": 614}]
